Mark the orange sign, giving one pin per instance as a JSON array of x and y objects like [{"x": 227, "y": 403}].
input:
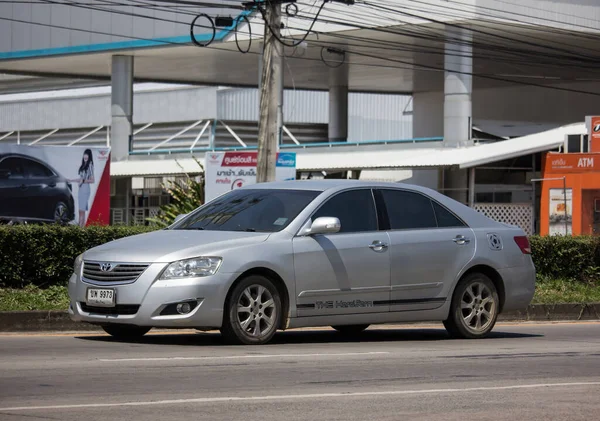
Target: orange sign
[
  {"x": 562, "y": 163},
  {"x": 594, "y": 135}
]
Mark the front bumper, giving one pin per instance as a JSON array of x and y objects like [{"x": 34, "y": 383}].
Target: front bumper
[{"x": 152, "y": 296}]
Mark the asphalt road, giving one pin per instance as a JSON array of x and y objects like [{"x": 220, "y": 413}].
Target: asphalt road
[{"x": 524, "y": 372}]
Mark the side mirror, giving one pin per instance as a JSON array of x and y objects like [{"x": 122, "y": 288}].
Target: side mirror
[
  {"x": 4, "y": 174},
  {"x": 180, "y": 217},
  {"x": 324, "y": 225}
]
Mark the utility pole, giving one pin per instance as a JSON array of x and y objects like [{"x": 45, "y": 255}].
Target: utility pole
[{"x": 268, "y": 129}]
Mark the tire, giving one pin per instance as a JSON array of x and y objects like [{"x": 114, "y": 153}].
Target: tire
[
  {"x": 126, "y": 331},
  {"x": 479, "y": 297},
  {"x": 61, "y": 213},
  {"x": 253, "y": 312},
  {"x": 350, "y": 329}
]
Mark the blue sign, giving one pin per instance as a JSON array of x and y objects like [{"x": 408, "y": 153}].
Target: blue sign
[{"x": 286, "y": 159}]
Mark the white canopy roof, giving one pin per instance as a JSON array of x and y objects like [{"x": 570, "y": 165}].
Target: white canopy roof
[
  {"x": 339, "y": 158},
  {"x": 466, "y": 157},
  {"x": 156, "y": 167}
]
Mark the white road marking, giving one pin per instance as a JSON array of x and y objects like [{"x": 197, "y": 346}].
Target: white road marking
[
  {"x": 299, "y": 397},
  {"x": 237, "y": 357}
]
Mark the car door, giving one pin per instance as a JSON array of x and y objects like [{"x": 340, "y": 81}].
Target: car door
[
  {"x": 12, "y": 188},
  {"x": 41, "y": 190},
  {"x": 429, "y": 247},
  {"x": 347, "y": 272}
]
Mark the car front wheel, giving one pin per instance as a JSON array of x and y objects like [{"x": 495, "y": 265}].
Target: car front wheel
[
  {"x": 474, "y": 308},
  {"x": 253, "y": 312},
  {"x": 61, "y": 213},
  {"x": 126, "y": 331}
]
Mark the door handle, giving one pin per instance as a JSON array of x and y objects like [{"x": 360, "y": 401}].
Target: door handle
[
  {"x": 52, "y": 184},
  {"x": 461, "y": 239},
  {"x": 378, "y": 246},
  {"x": 23, "y": 187}
]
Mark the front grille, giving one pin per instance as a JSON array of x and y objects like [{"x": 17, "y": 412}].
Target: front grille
[
  {"x": 123, "y": 273},
  {"x": 119, "y": 309}
]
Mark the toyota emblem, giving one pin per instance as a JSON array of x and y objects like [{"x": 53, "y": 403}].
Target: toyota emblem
[{"x": 106, "y": 267}]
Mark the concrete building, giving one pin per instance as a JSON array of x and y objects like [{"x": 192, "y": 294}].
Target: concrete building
[{"x": 499, "y": 67}]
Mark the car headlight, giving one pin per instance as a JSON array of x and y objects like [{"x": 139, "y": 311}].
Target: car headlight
[
  {"x": 192, "y": 268},
  {"x": 78, "y": 264}
]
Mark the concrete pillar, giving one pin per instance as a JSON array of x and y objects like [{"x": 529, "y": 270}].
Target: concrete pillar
[
  {"x": 458, "y": 86},
  {"x": 428, "y": 114},
  {"x": 121, "y": 107},
  {"x": 338, "y": 104}
]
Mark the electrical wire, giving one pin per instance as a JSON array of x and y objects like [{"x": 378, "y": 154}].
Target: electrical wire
[
  {"x": 278, "y": 38},
  {"x": 476, "y": 31},
  {"x": 212, "y": 24},
  {"x": 444, "y": 38},
  {"x": 407, "y": 64},
  {"x": 237, "y": 43},
  {"x": 333, "y": 50}
]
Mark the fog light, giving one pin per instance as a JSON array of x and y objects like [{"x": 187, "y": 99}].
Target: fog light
[{"x": 184, "y": 308}]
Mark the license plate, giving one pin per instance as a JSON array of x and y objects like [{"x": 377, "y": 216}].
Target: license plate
[{"x": 101, "y": 297}]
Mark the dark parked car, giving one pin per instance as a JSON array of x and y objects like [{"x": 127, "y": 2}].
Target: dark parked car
[{"x": 32, "y": 191}]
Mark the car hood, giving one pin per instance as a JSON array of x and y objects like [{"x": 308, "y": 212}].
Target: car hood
[{"x": 171, "y": 245}]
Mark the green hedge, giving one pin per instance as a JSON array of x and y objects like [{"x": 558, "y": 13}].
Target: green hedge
[
  {"x": 43, "y": 255},
  {"x": 571, "y": 258}
]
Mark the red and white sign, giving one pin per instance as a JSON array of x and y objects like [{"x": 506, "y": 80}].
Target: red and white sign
[
  {"x": 594, "y": 135},
  {"x": 66, "y": 184},
  {"x": 561, "y": 163},
  {"x": 226, "y": 171}
]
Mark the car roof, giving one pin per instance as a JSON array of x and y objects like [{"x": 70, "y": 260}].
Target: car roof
[
  {"x": 472, "y": 217},
  {"x": 324, "y": 185}
]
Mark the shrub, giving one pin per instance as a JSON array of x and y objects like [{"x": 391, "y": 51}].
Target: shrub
[
  {"x": 43, "y": 255},
  {"x": 186, "y": 196},
  {"x": 573, "y": 258}
]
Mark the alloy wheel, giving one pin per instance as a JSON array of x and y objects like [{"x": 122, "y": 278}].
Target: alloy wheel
[
  {"x": 478, "y": 307},
  {"x": 256, "y": 311}
]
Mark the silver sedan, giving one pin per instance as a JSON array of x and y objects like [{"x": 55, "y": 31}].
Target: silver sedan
[{"x": 340, "y": 253}]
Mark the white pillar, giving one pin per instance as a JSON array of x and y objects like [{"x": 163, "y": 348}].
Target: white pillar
[
  {"x": 458, "y": 85},
  {"x": 121, "y": 107},
  {"x": 338, "y": 104}
]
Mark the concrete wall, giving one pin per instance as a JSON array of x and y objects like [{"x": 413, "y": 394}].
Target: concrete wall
[
  {"x": 39, "y": 27},
  {"x": 564, "y": 14},
  {"x": 41, "y": 112}
]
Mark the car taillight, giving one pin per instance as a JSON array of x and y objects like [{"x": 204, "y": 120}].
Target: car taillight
[{"x": 523, "y": 243}]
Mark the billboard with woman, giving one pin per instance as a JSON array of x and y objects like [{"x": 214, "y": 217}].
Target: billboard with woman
[{"x": 58, "y": 184}]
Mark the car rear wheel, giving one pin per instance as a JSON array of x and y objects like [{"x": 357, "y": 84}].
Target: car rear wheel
[
  {"x": 350, "y": 329},
  {"x": 126, "y": 331},
  {"x": 252, "y": 312},
  {"x": 61, "y": 213},
  {"x": 474, "y": 308}
]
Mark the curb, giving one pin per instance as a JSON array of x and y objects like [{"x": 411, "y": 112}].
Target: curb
[
  {"x": 59, "y": 321},
  {"x": 554, "y": 312}
]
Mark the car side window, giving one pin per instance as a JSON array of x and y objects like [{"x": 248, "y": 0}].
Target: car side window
[
  {"x": 355, "y": 209},
  {"x": 408, "y": 210},
  {"x": 37, "y": 170},
  {"x": 15, "y": 166},
  {"x": 445, "y": 218}
]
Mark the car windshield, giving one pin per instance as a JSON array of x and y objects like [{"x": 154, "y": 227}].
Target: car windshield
[{"x": 258, "y": 210}]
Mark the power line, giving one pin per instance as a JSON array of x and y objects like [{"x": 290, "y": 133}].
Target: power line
[{"x": 406, "y": 64}]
